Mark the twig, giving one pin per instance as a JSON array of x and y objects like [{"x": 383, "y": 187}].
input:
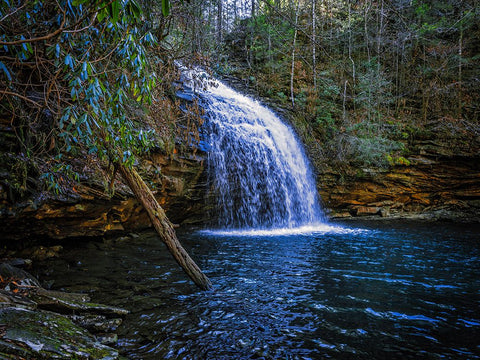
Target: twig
[
  {"x": 40, "y": 38},
  {"x": 6, "y": 92},
  {"x": 13, "y": 12}
]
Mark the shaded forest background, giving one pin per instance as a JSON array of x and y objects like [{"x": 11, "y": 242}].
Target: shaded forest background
[
  {"x": 361, "y": 80},
  {"x": 364, "y": 77}
]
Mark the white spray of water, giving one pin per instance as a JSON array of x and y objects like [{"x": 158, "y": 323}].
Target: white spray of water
[{"x": 261, "y": 178}]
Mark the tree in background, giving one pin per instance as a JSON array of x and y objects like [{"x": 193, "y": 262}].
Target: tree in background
[{"x": 364, "y": 71}]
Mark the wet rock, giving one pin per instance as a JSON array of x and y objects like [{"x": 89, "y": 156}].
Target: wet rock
[
  {"x": 385, "y": 212},
  {"x": 12, "y": 277},
  {"x": 186, "y": 95},
  {"x": 8, "y": 299},
  {"x": 17, "y": 262},
  {"x": 68, "y": 302},
  {"x": 96, "y": 323},
  {"x": 27, "y": 330},
  {"x": 9, "y": 350},
  {"x": 340, "y": 215},
  {"x": 46, "y": 335},
  {"x": 107, "y": 339}
]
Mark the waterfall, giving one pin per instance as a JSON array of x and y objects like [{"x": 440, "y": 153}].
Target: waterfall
[{"x": 260, "y": 175}]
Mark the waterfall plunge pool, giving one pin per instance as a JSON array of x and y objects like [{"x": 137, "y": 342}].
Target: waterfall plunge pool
[{"x": 399, "y": 290}]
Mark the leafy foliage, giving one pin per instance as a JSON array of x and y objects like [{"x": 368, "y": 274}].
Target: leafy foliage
[
  {"x": 78, "y": 68},
  {"x": 364, "y": 71}
]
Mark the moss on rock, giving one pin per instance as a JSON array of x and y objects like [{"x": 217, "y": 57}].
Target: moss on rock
[{"x": 46, "y": 335}]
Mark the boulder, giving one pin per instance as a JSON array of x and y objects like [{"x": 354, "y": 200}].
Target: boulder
[
  {"x": 46, "y": 335},
  {"x": 29, "y": 329}
]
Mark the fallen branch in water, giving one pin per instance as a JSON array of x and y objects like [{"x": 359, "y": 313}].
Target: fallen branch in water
[{"x": 163, "y": 226}]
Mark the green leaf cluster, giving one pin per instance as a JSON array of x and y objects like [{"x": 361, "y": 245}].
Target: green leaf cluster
[{"x": 96, "y": 59}]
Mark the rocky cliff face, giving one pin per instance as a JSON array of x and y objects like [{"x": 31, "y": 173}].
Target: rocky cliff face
[
  {"x": 435, "y": 185},
  {"x": 440, "y": 182},
  {"x": 88, "y": 210}
]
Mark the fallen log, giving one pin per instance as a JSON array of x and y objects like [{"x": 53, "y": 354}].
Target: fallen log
[{"x": 163, "y": 226}]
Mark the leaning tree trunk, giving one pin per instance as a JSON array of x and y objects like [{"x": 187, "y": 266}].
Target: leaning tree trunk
[{"x": 163, "y": 226}]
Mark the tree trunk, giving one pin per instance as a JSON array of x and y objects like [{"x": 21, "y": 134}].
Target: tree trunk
[
  {"x": 219, "y": 23},
  {"x": 314, "y": 44},
  {"x": 163, "y": 226},
  {"x": 292, "y": 73},
  {"x": 459, "y": 95}
]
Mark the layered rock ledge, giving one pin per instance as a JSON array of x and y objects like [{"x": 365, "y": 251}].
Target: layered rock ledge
[
  {"x": 89, "y": 210},
  {"x": 431, "y": 187}
]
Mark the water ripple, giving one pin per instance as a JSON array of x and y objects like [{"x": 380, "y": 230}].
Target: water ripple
[{"x": 401, "y": 292}]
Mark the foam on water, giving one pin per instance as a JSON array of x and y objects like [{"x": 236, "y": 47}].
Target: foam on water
[{"x": 306, "y": 230}]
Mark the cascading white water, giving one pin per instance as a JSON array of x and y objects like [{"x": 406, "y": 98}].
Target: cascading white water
[{"x": 260, "y": 176}]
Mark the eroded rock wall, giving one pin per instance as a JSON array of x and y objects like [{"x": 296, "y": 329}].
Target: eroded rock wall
[
  {"x": 178, "y": 184},
  {"x": 432, "y": 186}
]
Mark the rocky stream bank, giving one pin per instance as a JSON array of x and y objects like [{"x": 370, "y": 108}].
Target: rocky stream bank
[
  {"x": 36, "y": 323},
  {"x": 432, "y": 187}
]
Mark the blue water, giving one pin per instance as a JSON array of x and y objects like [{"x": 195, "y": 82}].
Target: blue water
[{"x": 352, "y": 291}]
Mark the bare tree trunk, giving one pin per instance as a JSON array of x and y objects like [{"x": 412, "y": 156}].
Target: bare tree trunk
[
  {"x": 235, "y": 12},
  {"x": 163, "y": 226},
  {"x": 354, "y": 81},
  {"x": 379, "y": 56},
  {"x": 252, "y": 30},
  {"x": 270, "y": 61},
  {"x": 459, "y": 95},
  {"x": 314, "y": 43},
  {"x": 367, "y": 9},
  {"x": 220, "y": 22},
  {"x": 292, "y": 95}
]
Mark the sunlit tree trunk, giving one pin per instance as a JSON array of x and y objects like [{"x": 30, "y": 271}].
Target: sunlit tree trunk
[
  {"x": 314, "y": 44},
  {"x": 163, "y": 226},
  {"x": 292, "y": 73}
]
